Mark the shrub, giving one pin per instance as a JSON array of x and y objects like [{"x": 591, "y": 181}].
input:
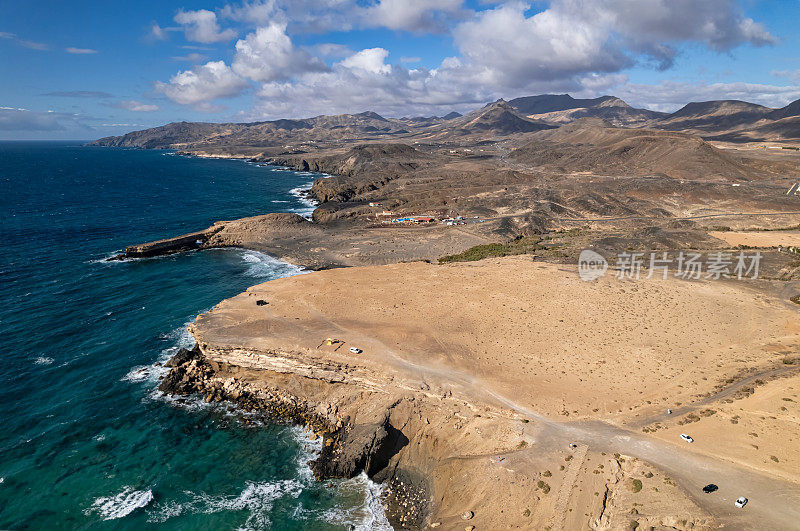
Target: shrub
[
  {"x": 522, "y": 245},
  {"x": 636, "y": 486}
]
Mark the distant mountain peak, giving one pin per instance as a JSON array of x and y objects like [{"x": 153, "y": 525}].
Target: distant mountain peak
[{"x": 373, "y": 115}]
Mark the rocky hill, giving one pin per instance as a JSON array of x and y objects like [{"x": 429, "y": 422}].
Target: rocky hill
[
  {"x": 592, "y": 145},
  {"x": 497, "y": 118},
  {"x": 734, "y": 120},
  {"x": 563, "y": 108}
]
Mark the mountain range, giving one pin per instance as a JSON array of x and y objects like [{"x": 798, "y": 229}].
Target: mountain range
[{"x": 724, "y": 120}]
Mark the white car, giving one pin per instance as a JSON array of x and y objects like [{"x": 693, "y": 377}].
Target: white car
[
  {"x": 686, "y": 438},
  {"x": 355, "y": 350},
  {"x": 740, "y": 502}
]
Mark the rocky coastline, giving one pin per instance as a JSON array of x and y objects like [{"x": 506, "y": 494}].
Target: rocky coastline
[{"x": 348, "y": 448}]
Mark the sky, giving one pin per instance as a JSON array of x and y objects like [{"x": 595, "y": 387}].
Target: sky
[{"x": 87, "y": 69}]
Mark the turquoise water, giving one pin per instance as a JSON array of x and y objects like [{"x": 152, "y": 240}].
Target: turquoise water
[{"x": 87, "y": 443}]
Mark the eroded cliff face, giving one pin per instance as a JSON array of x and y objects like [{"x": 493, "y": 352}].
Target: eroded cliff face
[{"x": 355, "y": 418}]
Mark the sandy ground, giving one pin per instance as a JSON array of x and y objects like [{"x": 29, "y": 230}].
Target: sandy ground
[
  {"x": 610, "y": 349},
  {"x": 760, "y": 238},
  {"x": 533, "y": 339}
]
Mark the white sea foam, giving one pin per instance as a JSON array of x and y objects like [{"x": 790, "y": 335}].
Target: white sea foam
[
  {"x": 43, "y": 360},
  {"x": 261, "y": 265},
  {"x": 370, "y": 515},
  {"x": 256, "y": 498},
  {"x": 310, "y": 206},
  {"x": 121, "y": 504},
  {"x": 309, "y": 450},
  {"x": 143, "y": 373}
]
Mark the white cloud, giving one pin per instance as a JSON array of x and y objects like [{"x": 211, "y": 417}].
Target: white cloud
[
  {"x": 132, "y": 105},
  {"x": 669, "y": 96},
  {"x": 79, "y": 51},
  {"x": 190, "y": 57},
  {"x": 202, "y": 26},
  {"x": 577, "y": 46},
  {"x": 268, "y": 55},
  {"x": 412, "y": 15},
  {"x": 370, "y": 61},
  {"x": 157, "y": 33},
  {"x": 33, "y": 45},
  {"x": 17, "y": 119},
  {"x": 331, "y": 50},
  {"x": 203, "y": 84},
  {"x": 792, "y": 75}
]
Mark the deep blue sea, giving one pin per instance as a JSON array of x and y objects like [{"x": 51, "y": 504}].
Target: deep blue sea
[{"x": 86, "y": 442}]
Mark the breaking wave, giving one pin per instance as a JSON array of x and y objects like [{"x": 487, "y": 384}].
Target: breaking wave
[{"x": 121, "y": 504}]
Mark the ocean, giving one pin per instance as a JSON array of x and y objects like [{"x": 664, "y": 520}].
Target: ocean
[{"x": 87, "y": 442}]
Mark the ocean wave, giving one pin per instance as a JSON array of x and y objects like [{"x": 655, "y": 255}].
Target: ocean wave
[
  {"x": 300, "y": 193},
  {"x": 261, "y": 265},
  {"x": 256, "y": 498},
  {"x": 370, "y": 515},
  {"x": 144, "y": 373},
  {"x": 121, "y": 504},
  {"x": 43, "y": 360},
  {"x": 309, "y": 450}
]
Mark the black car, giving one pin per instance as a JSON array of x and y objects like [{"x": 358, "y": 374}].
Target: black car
[{"x": 710, "y": 488}]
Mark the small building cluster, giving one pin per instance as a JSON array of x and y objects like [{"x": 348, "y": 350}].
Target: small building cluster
[{"x": 415, "y": 219}]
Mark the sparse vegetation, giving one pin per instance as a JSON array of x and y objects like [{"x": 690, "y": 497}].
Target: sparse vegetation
[
  {"x": 773, "y": 458},
  {"x": 526, "y": 513},
  {"x": 523, "y": 245},
  {"x": 544, "y": 486},
  {"x": 636, "y": 485},
  {"x": 796, "y": 298}
]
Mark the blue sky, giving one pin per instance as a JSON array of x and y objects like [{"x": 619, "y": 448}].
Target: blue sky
[{"x": 82, "y": 70}]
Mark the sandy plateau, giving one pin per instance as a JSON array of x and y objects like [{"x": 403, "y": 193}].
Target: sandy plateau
[{"x": 492, "y": 370}]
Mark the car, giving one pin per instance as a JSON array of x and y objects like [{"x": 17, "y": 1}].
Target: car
[
  {"x": 355, "y": 350},
  {"x": 686, "y": 438},
  {"x": 740, "y": 502},
  {"x": 710, "y": 488}
]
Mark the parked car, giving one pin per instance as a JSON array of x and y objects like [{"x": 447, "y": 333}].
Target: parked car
[
  {"x": 355, "y": 350},
  {"x": 740, "y": 502},
  {"x": 710, "y": 488},
  {"x": 686, "y": 438}
]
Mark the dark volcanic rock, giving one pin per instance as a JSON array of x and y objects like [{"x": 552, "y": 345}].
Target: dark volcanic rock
[
  {"x": 179, "y": 381},
  {"x": 351, "y": 449}
]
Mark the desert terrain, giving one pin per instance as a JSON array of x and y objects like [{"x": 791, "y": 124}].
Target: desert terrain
[
  {"x": 506, "y": 375},
  {"x": 491, "y": 386}
]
